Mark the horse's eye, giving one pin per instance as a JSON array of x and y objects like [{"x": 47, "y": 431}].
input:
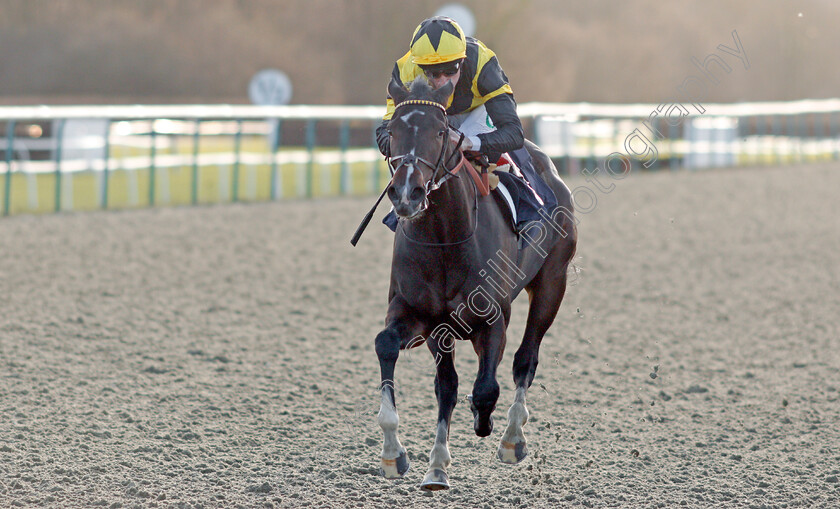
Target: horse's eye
[{"x": 441, "y": 132}]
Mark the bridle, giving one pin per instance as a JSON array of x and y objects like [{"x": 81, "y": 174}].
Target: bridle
[{"x": 395, "y": 162}]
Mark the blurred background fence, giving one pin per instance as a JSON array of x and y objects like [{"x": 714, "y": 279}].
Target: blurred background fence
[{"x": 60, "y": 158}]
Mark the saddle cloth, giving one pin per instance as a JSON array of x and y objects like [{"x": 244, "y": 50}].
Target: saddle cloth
[
  {"x": 519, "y": 186},
  {"x": 523, "y": 189}
]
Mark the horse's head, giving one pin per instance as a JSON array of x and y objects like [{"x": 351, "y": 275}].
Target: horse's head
[{"x": 419, "y": 139}]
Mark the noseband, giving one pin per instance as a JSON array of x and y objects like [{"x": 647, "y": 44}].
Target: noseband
[{"x": 395, "y": 162}]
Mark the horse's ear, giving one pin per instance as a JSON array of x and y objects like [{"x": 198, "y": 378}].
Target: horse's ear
[
  {"x": 397, "y": 91},
  {"x": 442, "y": 94}
]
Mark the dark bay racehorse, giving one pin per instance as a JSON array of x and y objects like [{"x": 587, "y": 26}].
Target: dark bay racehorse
[{"x": 457, "y": 266}]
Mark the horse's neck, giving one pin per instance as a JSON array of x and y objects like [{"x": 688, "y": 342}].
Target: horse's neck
[{"x": 450, "y": 216}]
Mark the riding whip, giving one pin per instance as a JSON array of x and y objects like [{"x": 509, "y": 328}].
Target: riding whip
[{"x": 367, "y": 218}]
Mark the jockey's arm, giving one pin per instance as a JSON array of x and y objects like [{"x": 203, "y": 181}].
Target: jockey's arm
[
  {"x": 508, "y": 135},
  {"x": 383, "y": 138}
]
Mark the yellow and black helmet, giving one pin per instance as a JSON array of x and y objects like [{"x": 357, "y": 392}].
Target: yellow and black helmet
[{"x": 438, "y": 40}]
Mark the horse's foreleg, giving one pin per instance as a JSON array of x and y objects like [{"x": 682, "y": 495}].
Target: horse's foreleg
[
  {"x": 388, "y": 344},
  {"x": 446, "y": 390},
  {"x": 489, "y": 344}
]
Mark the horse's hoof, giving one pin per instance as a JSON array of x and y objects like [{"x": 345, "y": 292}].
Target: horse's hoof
[
  {"x": 436, "y": 479},
  {"x": 483, "y": 429},
  {"x": 511, "y": 453},
  {"x": 395, "y": 468}
]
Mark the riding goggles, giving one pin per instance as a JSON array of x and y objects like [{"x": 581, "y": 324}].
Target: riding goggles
[{"x": 447, "y": 69}]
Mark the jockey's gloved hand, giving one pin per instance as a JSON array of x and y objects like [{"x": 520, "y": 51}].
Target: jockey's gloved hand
[{"x": 470, "y": 142}]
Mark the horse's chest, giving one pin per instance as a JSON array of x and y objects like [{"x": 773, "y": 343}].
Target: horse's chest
[{"x": 434, "y": 292}]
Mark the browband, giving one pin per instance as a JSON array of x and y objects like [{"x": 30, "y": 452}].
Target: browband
[{"x": 421, "y": 101}]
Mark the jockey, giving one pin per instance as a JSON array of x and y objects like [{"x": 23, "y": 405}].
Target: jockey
[
  {"x": 440, "y": 50},
  {"x": 481, "y": 107}
]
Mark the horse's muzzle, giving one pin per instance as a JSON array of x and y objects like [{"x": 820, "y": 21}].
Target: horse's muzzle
[{"x": 408, "y": 200}]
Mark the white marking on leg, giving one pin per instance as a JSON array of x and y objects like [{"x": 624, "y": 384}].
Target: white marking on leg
[
  {"x": 518, "y": 413},
  {"x": 389, "y": 421},
  {"x": 439, "y": 457},
  {"x": 517, "y": 417}
]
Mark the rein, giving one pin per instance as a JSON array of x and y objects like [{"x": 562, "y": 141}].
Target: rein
[{"x": 457, "y": 242}]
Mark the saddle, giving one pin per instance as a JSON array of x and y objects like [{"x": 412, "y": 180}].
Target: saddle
[{"x": 521, "y": 188}]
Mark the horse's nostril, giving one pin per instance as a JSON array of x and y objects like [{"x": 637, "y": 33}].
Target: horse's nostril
[
  {"x": 417, "y": 194},
  {"x": 392, "y": 193}
]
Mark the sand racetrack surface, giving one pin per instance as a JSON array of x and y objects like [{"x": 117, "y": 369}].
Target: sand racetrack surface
[{"x": 223, "y": 357}]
